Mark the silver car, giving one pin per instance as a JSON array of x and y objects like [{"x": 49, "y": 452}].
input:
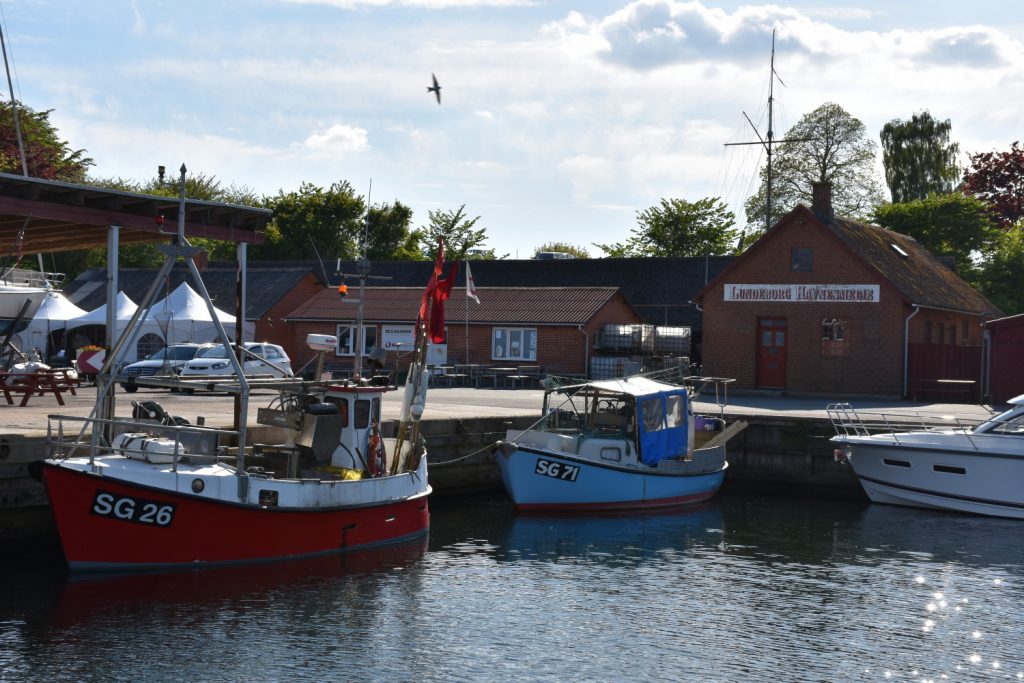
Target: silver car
[
  {"x": 261, "y": 360},
  {"x": 165, "y": 362}
]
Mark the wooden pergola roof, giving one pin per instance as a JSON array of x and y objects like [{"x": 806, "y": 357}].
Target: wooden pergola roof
[{"x": 67, "y": 217}]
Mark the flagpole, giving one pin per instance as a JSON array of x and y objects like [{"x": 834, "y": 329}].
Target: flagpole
[{"x": 467, "y": 311}]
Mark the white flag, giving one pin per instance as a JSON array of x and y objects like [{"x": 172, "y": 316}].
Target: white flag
[{"x": 470, "y": 285}]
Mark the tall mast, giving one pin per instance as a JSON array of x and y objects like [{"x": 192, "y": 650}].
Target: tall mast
[
  {"x": 769, "y": 141},
  {"x": 14, "y": 110}
]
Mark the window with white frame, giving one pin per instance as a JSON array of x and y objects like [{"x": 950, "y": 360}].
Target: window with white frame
[
  {"x": 346, "y": 339},
  {"x": 514, "y": 343}
]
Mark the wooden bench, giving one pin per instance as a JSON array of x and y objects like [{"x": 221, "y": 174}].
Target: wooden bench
[
  {"x": 56, "y": 381},
  {"x": 525, "y": 374}
]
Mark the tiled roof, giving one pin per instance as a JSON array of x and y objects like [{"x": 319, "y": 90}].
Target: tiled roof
[
  {"x": 919, "y": 276},
  {"x": 501, "y": 305},
  {"x": 264, "y": 286},
  {"x": 659, "y": 289}
]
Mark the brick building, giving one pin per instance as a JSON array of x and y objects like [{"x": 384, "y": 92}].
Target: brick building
[
  {"x": 547, "y": 326},
  {"x": 1005, "y": 375},
  {"x": 826, "y": 305}
]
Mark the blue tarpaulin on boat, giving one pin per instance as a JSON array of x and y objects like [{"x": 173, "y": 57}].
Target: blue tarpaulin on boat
[{"x": 663, "y": 426}]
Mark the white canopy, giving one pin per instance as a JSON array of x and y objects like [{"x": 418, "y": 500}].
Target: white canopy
[
  {"x": 53, "y": 314},
  {"x": 124, "y": 308},
  {"x": 179, "y": 317}
]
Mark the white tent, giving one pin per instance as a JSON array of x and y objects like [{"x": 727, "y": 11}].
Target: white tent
[
  {"x": 53, "y": 314},
  {"x": 184, "y": 315},
  {"x": 180, "y": 317}
]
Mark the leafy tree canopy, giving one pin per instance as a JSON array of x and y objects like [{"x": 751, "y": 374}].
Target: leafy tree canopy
[
  {"x": 918, "y": 157},
  {"x": 331, "y": 219},
  {"x": 678, "y": 227},
  {"x": 459, "y": 232},
  {"x": 390, "y": 238},
  {"x": 564, "y": 247},
  {"x": 998, "y": 178},
  {"x": 944, "y": 224},
  {"x": 828, "y": 145},
  {"x": 46, "y": 154},
  {"x": 1002, "y": 271}
]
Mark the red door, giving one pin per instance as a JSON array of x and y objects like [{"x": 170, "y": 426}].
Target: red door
[{"x": 771, "y": 353}]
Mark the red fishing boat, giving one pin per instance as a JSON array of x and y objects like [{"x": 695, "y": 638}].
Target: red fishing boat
[{"x": 154, "y": 491}]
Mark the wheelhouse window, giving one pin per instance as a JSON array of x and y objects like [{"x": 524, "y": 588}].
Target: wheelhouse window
[
  {"x": 346, "y": 339},
  {"x": 801, "y": 259},
  {"x": 514, "y": 343}
]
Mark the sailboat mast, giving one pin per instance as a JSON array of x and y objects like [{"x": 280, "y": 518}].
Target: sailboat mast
[
  {"x": 771, "y": 102},
  {"x": 14, "y": 110}
]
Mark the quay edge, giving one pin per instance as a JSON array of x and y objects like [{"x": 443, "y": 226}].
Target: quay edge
[{"x": 776, "y": 453}]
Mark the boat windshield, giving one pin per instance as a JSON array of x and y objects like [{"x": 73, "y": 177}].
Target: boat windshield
[{"x": 1009, "y": 422}]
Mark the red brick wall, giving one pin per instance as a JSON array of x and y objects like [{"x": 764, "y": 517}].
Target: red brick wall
[
  {"x": 564, "y": 348},
  {"x": 272, "y": 327},
  {"x": 873, "y": 334}
]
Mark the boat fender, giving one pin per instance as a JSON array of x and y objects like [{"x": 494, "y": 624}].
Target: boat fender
[
  {"x": 376, "y": 452},
  {"x": 506, "y": 448},
  {"x": 839, "y": 455},
  {"x": 145, "y": 447}
]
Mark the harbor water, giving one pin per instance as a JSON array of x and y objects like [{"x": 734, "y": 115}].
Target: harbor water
[{"x": 746, "y": 588}]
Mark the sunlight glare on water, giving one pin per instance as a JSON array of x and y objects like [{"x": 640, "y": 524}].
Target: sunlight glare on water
[{"x": 742, "y": 589}]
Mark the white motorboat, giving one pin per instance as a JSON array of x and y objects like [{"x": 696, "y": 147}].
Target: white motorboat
[
  {"x": 17, "y": 286},
  {"x": 944, "y": 463}
]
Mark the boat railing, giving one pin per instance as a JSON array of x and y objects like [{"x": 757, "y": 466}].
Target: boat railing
[
  {"x": 69, "y": 436},
  {"x": 848, "y": 421},
  {"x": 32, "y": 278}
]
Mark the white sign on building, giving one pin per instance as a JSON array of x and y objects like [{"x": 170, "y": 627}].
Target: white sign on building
[
  {"x": 397, "y": 337},
  {"x": 860, "y": 294}
]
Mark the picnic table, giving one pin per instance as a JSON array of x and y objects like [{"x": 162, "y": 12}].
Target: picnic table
[{"x": 55, "y": 381}]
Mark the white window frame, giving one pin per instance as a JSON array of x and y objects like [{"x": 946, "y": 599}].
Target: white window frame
[
  {"x": 527, "y": 352},
  {"x": 350, "y": 329}
]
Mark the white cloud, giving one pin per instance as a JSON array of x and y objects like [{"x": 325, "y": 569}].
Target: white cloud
[
  {"x": 427, "y": 4},
  {"x": 339, "y": 138}
]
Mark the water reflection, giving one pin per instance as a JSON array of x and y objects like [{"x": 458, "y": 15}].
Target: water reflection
[{"x": 614, "y": 540}]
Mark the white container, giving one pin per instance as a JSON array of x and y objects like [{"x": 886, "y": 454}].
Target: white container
[{"x": 321, "y": 342}]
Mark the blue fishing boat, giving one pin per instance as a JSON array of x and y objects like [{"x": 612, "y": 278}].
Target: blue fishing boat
[{"x": 630, "y": 443}]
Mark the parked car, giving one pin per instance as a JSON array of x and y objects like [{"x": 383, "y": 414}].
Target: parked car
[
  {"x": 166, "y": 361},
  {"x": 214, "y": 361}
]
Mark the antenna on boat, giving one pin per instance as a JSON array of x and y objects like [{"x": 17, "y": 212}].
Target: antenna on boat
[{"x": 769, "y": 139}]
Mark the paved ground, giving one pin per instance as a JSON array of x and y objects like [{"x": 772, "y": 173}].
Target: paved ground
[{"x": 442, "y": 403}]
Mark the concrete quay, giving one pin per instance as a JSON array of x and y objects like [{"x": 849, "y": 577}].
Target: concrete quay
[{"x": 785, "y": 447}]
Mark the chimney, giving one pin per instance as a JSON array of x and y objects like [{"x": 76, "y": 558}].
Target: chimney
[{"x": 821, "y": 201}]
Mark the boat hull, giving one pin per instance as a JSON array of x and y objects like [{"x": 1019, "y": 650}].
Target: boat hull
[
  {"x": 102, "y": 525},
  {"x": 537, "y": 479},
  {"x": 914, "y": 473}
]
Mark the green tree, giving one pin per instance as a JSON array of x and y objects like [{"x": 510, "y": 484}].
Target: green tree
[
  {"x": 332, "y": 219},
  {"x": 564, "y": 247},
  {"x": 1001, "y": 275},
  {"x": 944, "y": 224},
  {"x": 998, "y": 178},
  {"x": 46, "y": 154},
  {"x": 459, "y": 232},
  {"x": 828, "y": 145},
  {"x": 918, "y": 157},
  {"x": 677, "y": 227},
  {"x": 390, "y": 238}
]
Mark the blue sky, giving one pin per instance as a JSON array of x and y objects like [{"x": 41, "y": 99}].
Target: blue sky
[{"x": 559, "y": 120}]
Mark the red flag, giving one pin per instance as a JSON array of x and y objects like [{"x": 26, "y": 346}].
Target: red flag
[
  {"x": 441, "y": 292},
  {"x": 432, "y": 283}
]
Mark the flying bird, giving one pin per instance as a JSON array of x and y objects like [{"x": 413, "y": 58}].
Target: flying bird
[{"x": 436, "y": 89}]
